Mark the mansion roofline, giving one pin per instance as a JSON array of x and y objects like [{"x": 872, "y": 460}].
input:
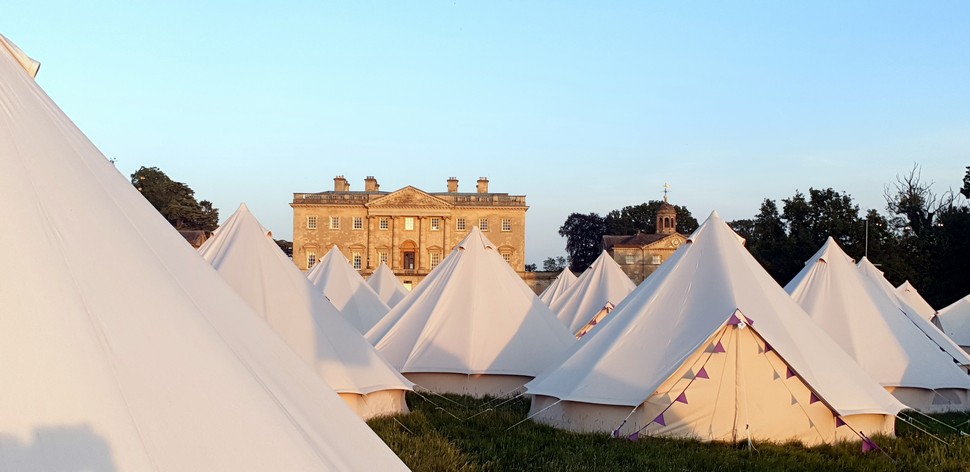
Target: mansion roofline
[{"x": 342, "y": 195}]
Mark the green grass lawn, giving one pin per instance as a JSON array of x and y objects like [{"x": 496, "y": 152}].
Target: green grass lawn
[{"x": 458, "y": 433}]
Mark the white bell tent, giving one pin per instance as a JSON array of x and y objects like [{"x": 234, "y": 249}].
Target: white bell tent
[
  {"x": 908, "y": 293},
  {"x": 347, "y": 290},
  {"x": 563, "y": 281},
  {"x": 472, "y": 326},
  {"x": 388, "y": 288},
  {"x": 874, "y": 330},
  {"x": 955, "y": 322},
  {"x": 601, "y": 286},
  {"x": 122, "y": 349},
  {"x": 243, "y": 252},
  {"x": 710, "y": 347},
  {"x": 884, "y": 289}
]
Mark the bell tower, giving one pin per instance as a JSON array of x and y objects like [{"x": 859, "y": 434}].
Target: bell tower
[{"x": 666, "y": 216}]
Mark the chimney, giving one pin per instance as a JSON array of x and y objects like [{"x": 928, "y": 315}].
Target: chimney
[
  {"x": 340, "y": 184},
  {"x": 452, "y": 184},
  {"x": 370, "y": 184},
  {"x": 483, "y": 185}
]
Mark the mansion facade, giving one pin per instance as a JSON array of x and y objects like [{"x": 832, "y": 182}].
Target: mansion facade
[
  {"x": 641, "y": 254},
  {"x": 408, "y": 229}
]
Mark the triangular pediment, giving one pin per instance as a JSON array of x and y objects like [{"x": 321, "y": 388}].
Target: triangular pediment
[
  {"x": 672, "y": 241},
  {"x": 409, "y": 197}
]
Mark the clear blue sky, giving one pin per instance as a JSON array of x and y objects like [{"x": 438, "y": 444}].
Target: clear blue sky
[{"x": 580, "y": 106}]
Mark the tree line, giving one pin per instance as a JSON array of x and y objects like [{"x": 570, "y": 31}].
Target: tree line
[{"x": 924, "y": 237}]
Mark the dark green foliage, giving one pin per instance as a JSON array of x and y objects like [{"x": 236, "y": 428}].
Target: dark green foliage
[
  {"x": 175, "y": 200},
  {"x": 584, "y": 239},
  {"x": 554, "y": 264},
  {"x": 643, "y": 218},
  {"x": 530, "y": 267},
  {"x": 463, "y": 434}
]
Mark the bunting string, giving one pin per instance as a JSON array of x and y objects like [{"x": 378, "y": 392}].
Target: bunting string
[{"x": 659, "y": 419}]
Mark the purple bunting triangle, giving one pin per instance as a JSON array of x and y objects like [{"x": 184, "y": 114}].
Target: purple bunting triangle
[
  {"x": 768, "y": 347},
  {"x": 616, "y": 433},
  {"x": 839, "y": 421},
  {"x": 789, "y": 373},
  {"x": 702, "y": 374},
  {"x": 734, "y": 320},
  {"x": 868, "y": 445},
  {"x": 718, "y": 348},
  {"x": 660, "y": 420},
  {"x": 813, "y": 398},
  {"x": 682, "y": 398},
  {"x": 634, "y": 436},
  {"x": 749, "y": 321}
]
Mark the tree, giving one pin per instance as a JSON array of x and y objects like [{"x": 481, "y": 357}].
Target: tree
[
  {"x": 584, "y": 239},
  {"x": 530, "y": 267},
  {"x": 643, "y": 218},
  {"x": 554, "y": 264},
  {"x": 914, "y": 203},
  {"x": 175, "y": 200}
]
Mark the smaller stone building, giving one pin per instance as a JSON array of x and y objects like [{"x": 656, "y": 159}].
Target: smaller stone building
[{"x": 639, "y": 255}]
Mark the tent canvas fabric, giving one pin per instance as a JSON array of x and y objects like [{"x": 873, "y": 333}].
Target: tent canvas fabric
[
  {"x": 874, "y": 330},
  {"x": 249, "y": 260},
  {"x": 563, "y": 281},
  {"x": 955, "y": 321},
  {"x": 471, "y": 327},
  {"x": 122, "y": 349},
  {"x": 347, "y": 290},
  {"x": 710, "y": 347},
  {"x": 603, "y": 282},
  {"x": 388, "y": 288},
  {"x": 908, "y": 293},
  {"x": 886, "y": 290}
]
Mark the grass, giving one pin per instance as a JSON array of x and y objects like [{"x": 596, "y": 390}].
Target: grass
[{"x": 456, "y": 433}]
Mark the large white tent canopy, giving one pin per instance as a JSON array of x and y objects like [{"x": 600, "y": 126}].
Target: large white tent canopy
[
  {"x": 955, "y": 321},
  {"x": 122, "y": 349},
  {"x": 244, "y": 253},
  {"x": 388, "y": 288},
  {"x": 602, "y": 286},
  {"x": 563, "y": 281},
  {"x": 710, "y": 347},
  {"x": 347, "y": 290},
  {"x": 472, "y": 326},
  {"x": 876, "y": 332},
  {"x": 908, "y": 293}
]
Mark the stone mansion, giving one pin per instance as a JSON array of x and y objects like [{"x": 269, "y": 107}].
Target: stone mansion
[{"x": 409, "y": 229}]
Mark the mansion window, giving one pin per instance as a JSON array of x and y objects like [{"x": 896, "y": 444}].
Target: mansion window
[
  {"x": 655, "y": 260},
  {"x": 358, "y": 222},
  {"x": 630, "y": 259},
  {"x": 383, "y": 223},
  {"x": 435, "y": 224},
  {"x": 460, "y": 224},
  {"x": 382, "y": 257},
  {"x": 357, "y": 259},
  {"x": 506, "y": 224},
  {"x": 334, "y": 222},
  {"x": 311, "y": 222},
  {"x": 507, "y": 255},
  {"x": 483, "y": 224},
  {"x": 409, "y": 223},
  {"x": 311, "y": 260},
  {"x": 435, "y": 259}
]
